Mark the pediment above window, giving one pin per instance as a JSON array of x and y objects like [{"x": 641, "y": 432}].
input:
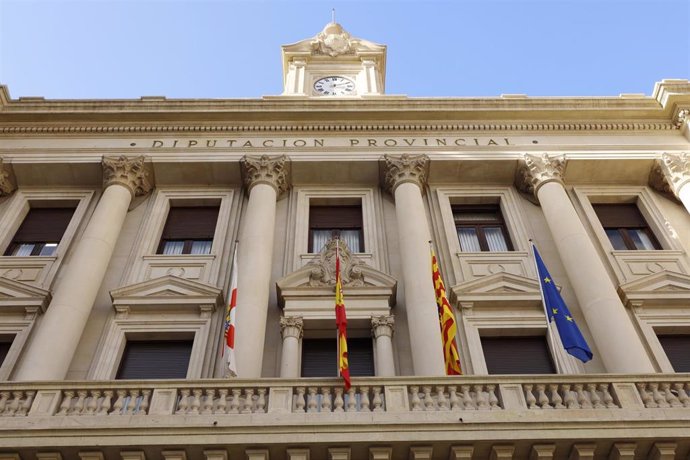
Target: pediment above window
[
  {"x": 500, "y": 289},
  {"x": 168, "y": 292},
  {"x": 665, "y": 288},
  {"x": 16, "y": 296},
  {"x": 310, "y": 291}
]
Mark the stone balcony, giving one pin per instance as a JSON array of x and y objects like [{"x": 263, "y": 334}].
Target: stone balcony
[{"x": 570, "y": 416}]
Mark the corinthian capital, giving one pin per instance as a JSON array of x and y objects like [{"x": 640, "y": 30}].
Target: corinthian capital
[
  {"x": 382, "y": 325},
  {"x": 675, "y": 171},
  {"x": 536, "y": 171},
  {"x": 405, "y": 168},
  {"x": 7, "y": 184},
  {"x": 274, "y": 171},
  {"x": 291, "y": 326},
  {"x": 128, "y": 171}
]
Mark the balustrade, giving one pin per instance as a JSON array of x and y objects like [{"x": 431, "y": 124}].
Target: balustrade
[
  {"x": 569, "y": 396},
  {"x": 310, "y": 396}
]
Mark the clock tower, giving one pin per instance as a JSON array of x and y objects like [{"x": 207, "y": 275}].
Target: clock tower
[{"x": 334, "y": 64}]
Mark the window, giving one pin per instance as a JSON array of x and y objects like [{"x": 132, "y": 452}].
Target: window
[
  {"x": 5, "y": 344},
  {"x": 189, "y": 230},
  {"x": 625, "y": 227},
  {"x": 677, "y": 349},
  {"x": 160, "y": 359},
  {"x": 320, "y": 357},
  {"x": 40, "y": 232},
  {"x": 481, "y": 228},
  {"x": 517, "y": 355},
  {"x": 326, "y": 222}
]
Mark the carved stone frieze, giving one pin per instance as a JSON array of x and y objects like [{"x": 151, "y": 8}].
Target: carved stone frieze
[
  {"x": 536, "y": 171},
  {"x": 671, "y": 173},
  {"x": 264, "y": 169},
  {"x": 128, "y": 171},
  {"x": 333, "y": 41},
  {"x": 682, "y": 117},
  {"x": 382, "y": 325},
  {"x": 291, "y": 326},
  {"x": 7, "y": 183},
  {"x": 405, "y": 168},
  {"x": 323, "y": 268}
]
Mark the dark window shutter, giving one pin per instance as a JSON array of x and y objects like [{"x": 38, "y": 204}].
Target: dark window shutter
[
  {"x": 619, "y": 215},
  {"x": 320, "y": 359},
  {"x": 191, "y": 223},
  {"x": 44, "y": 225},
  {"x": 335, "y": 217},
  {"x": 677, "y": 348},
  {"x": 4, "y": 349},
  {"x": 517, "y": 355},
  {"x": 160, "y": 359}
]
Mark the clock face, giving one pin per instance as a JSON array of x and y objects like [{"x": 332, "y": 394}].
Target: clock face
[{"x": 334, "y": 86}]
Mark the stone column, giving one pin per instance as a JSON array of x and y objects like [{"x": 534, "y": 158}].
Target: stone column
[
  {"x": 51, "y": 349},
  {"x": 405, "y": 177},
  {"x": 618, "y": 344},
  {"x": 382, "y": 330},
  {"x": 291, "y": 328},
  {"x": 266, "y": 178},
  {"x": 672, "y": 174}
]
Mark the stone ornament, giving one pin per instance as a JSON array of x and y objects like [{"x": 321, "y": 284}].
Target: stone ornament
[
  {"x": 671, "y": 173},
  {"x": 127, "y": 171},
  {"x": 7, "y": 183},
  {"x": 265, "y": 169},
  {"x": 536, "y": 171},
  {"x": 382, "y": 326},
  {"x": 682, "y": 117},
  {"x": 291, "y": 326},
  {"x": 333, "y": 41},
  {"x": 323, "y": 268},
  {"x": 405, "y": 168}
]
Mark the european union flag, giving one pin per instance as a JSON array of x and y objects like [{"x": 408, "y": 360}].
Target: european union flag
[{"x": 571, "y": 337}]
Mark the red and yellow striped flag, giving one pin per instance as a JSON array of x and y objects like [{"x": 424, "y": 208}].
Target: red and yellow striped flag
[
  {"x": 447, "y": 321},
  {"x": 341, "y": 323}
]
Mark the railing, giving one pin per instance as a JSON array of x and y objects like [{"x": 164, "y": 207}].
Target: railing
[{"x": 367, "y": 395}]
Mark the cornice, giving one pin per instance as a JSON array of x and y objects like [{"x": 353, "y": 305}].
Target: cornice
[{"x": 37, "y": 129}]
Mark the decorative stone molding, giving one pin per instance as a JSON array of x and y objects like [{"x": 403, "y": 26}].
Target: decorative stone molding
[
  {"x": 333, "y": 41},
  {"x": 405, "y": 168},
  {"x": 382, "y": 326},
  {"x": 127, "y": 171},
  {"x": 323, "y": 268},
  {"x": 291, "y": 326},
  {"x": 682, "y": 117},
  {"x": 536, "y": 171},
  {"x": 7, "y": 183},
  {"x": 671, "y": 173},
  {"x": 271, "y": 170},
  {"x": 464, "y": 127}
]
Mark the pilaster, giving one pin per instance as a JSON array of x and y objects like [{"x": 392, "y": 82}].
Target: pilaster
[
  {"x": 7, "y": 182},
  {"x": 271, "y": 170}
]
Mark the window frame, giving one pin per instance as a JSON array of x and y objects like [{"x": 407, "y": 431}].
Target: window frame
[
  {"x": 129, "y": 339},
  {"x": 145, "y": 263},
  {"x": 334, "y": 230},
  {"x": 479, "y": 226},
  {"x": 623, "y": 231},
  {"x": 549, "y": 352},
  {"x": 41, "y": 270}
]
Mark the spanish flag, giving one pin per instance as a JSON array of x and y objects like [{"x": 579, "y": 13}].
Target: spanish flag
[
  {"x": 341, "y": 323},
  {"x": 447, "y": 321}
]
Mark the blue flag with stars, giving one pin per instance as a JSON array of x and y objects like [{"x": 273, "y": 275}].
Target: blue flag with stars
[{"x": 571, "y": 337}]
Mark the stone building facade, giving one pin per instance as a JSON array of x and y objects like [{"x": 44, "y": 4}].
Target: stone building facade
[{"x": 118, "y": 220}]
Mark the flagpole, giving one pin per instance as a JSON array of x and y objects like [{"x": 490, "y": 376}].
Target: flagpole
[
  {"x": 337, "y": 331},
  {"x": 543, "y": 304}
]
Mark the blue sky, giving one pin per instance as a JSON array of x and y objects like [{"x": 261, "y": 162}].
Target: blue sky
[{"x": 231, "y": 48}]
